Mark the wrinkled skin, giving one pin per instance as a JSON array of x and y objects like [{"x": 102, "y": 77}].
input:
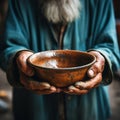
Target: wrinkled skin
[{"x": 26, "y": 73}]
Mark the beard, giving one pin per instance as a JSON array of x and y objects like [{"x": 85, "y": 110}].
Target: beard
[{"x": 60, "y": 11}]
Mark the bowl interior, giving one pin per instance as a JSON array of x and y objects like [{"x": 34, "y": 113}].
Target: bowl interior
[{"x": 61, "y": 59}]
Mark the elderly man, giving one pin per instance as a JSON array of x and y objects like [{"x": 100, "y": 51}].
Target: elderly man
[{"x": 39, "y": 25}]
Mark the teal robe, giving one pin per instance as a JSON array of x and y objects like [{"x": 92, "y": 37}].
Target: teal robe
[{"x": 93, "y": 30}]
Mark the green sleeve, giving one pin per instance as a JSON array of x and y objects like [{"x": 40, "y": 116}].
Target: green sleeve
[
  {"x": 105, "y": 40},
  {"x": 16, "y": 33},
  {"x": 15, "y": 39}
]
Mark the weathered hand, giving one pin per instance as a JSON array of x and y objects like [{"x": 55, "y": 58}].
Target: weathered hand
[
  {"x": 27, "y": 73},
  {"x": 94, "y": 74}
]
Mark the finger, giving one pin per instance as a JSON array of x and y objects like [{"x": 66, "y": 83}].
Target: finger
[
  {"x": 29, "y": 83},
  {"x": 41, "y": 92},
  {"x": 92, "y": 83},
  {"x": 33, "y": 85},
  {"x": 75, "y": 91},
  {"x": 58, "y": 90},
  {"x": 22, "y": 63},
  {"x": 98, "y": 66},
  {"x": 47, "y": 91}
]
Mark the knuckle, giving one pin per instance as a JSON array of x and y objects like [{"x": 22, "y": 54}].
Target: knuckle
[
  {"x": 19, "y": 61},
  {"x": 96, "y": 68},
  {"x": 90, "y": 86},
  {"x": 21, "y": 57},
  {"x": 86, "y": 86},
  {"x": 102, "y": 60}
]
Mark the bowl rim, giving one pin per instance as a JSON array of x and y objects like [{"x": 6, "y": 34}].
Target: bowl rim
[{"x": 67, "y": 68}]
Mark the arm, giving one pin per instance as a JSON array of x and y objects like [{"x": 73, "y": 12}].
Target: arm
[
  {"x": 103, "y": 44},
  {"x": 14, "y": 40},
  {"x": 15, "y": 49},
  {"x": 105, "y": 41}
]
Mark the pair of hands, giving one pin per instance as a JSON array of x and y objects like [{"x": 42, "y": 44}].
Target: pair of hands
[{"x": 26, "y": 73}]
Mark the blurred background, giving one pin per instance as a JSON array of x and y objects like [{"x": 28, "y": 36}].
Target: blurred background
[{"x": 6, "y": 89}]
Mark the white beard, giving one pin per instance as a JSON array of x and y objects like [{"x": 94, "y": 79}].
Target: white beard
[{"x": 60, "y": 11}]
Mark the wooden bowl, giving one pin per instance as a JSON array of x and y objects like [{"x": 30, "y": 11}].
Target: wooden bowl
[{"x": 61, "y": 68}]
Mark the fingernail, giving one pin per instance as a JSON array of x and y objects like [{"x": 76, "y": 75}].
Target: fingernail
[
  {"x": 91, "y": 73},
  {"x": 79, "y": 85},
  {"x": 52, "y": 88},
  {"x": 71, "y": 88}
]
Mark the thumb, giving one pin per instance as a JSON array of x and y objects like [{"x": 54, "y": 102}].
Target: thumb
[
  {"x": 22, "y": 63},
  {"x": 91, "y": 73}
]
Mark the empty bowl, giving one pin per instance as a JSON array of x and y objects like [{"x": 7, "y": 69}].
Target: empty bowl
[{"x": 61, "y": 68}]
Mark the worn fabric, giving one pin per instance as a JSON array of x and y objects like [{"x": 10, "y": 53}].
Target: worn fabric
[{"x": 26, "y": 29}]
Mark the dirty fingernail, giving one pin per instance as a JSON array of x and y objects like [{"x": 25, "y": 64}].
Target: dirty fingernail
[{"x": 91, "y": 73}]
